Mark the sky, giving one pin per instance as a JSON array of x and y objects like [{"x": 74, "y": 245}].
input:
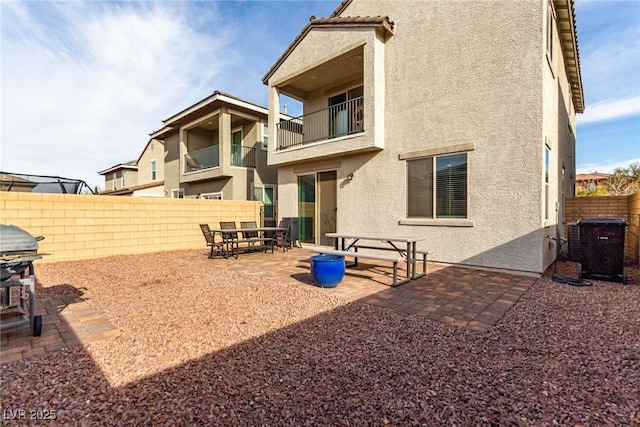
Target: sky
[{"x": 84, "y": 83}]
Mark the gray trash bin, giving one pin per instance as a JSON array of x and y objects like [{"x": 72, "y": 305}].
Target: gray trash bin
[{"x": 602, "y": 249}]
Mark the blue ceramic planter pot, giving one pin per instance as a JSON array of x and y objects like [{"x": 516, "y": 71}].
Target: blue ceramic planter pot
[{"x": 327, "y": 270}]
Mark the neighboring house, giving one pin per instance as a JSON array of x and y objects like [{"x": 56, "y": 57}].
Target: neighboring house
[
  {"x": 217, "y": 149},
  {"x": 589, "y": 182},
  {"x": 450, "y": 120},
  {"x": 10, "y": 182},
  {"x": 151, "y": 170},
  {"x": 142, "y": 177},
  {"x": 120, "y": 178}
]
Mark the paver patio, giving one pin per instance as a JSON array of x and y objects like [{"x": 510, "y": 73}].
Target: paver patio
[
  {"x": 67, "y": 322},
  {"x": 467, "y": 298},
  {"x": 470, "y": 298}
]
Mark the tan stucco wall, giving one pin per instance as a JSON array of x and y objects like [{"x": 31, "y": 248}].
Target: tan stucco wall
[
  {"x": 153, "y": 151},
  {"x": 238, "y": 182},
  {"x": 130, "y": 179},
  {"x": 157, "y": 191},
  {"x": 334, "y": 42},
  {"x": 172, "y": 161},
  {"x": 83, "y": 226},
  {"x": 458, "y": 73},
  {"x": 559, "y": 134}
]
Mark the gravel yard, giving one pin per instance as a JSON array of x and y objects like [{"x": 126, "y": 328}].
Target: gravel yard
[{"x": 200, "y": 345}]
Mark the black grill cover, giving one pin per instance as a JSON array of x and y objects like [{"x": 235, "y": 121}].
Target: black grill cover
[{"x": 16, "y": 240}]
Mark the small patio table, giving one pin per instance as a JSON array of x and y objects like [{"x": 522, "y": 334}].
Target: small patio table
[{"x": 395, "y": 243}]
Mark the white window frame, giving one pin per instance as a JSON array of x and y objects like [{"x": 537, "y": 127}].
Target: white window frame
[
  {"x": 264, "y": 145},
  {"x": 546, "y": 167},
  {"x": 177, "y": 192},
  {"x": 114, "y": 181},
  {"x": 434, "y": 189},
  {"x": 154, "y": 170},
  {"x": 263, "y": 187},
  {"x": 439, "y": 151},
  {"x": 212, "y": 196},
  {"x": 549, "y": 36}
]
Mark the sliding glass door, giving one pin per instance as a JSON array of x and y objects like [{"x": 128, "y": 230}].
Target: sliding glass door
[{"x": 317, "y": 207}]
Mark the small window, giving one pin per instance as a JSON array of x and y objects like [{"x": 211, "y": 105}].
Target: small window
[
  {"x": 265, "y": 136},
  {"x": 551, "y": 24},
  {"x": 266, "y": 195},
  {"x": 177, "y": 194},
  {"x": 439, "y": 194},
  {"x": 547, "y": 168},
  {"x": 211, "y": 196},
  {"x": 153, "y": 170}
]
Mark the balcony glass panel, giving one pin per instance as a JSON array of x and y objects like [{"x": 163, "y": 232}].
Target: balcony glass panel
[
  {"x": 202, "y": 159},
  {"x": 345, "y": 118}
]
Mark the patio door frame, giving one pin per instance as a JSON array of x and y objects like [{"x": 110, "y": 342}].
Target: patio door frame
[{"x": 327, "y": 205}]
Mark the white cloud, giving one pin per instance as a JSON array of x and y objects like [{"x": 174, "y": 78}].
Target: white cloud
[
  {"x": 604, "y": 167},
  {"x": 83, "y": 84},
  {"x": 609, "y": 110}
]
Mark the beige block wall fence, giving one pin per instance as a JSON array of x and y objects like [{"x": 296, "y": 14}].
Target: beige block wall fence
[
  {"x": 79, "y": 227},
  {"x": 625, "y": 207}
]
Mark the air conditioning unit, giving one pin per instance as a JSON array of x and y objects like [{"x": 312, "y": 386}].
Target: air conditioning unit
[{"x": 573, "y": 232}]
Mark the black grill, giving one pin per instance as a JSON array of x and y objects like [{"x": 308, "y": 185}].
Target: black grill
[{"x": 18, "y": 250}]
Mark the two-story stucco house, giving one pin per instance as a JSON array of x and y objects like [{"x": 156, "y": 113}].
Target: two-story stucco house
[
  {"x": 118, "y": 179},
  {"x": 143, "y": 177},
  {"x": 453, "y": 120},
  {"x": 217, "y": 149}
]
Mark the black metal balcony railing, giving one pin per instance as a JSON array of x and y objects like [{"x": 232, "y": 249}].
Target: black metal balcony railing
[
  {"x": 202, "y": 159},
  {"x": 243, "y": 156},
  {"x": 341, "y": 119}
]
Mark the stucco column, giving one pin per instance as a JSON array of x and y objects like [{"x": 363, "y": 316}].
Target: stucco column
[
  {"x": 375, "y": 76},
  {"x": 182, "y": 150},
  {"x": 224, "y": 140},
  {"x": 274, "y": 118}
]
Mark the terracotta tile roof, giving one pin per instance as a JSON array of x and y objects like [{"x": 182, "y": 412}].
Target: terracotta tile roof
[
  {"x": 341, "y": 7},
  {"x": 131, "y": 164},
  {"x": 333, "y": 21},
  {"x": 130, "y": 190},
  {"x": 596, "y": 176}
]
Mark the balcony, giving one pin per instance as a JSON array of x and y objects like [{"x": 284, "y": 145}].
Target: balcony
[
  {"x": 243, "y": 156},
  {"x": 202, "y": 159},
  {"x": 346, "y": 118}
]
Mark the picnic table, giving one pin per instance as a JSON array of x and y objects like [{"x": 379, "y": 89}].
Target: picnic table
[{"x": 348, "y": 244}]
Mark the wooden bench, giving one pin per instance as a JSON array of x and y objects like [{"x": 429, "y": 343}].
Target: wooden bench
[
  {"x": 356, "y": 255},
  {"x": 423, "y": 253}
]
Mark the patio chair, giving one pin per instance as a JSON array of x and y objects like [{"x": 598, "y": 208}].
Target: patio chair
[
  {"x": 253, "y": 237},
  {"x": 192, "y": 163},
  {"x": 281, "y": 238},
  {"x": 230, "y": 238},
  {"x": 216, "y": 247}
]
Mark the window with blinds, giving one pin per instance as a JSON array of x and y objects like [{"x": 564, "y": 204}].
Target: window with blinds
[{"x": 439, "y": 194}]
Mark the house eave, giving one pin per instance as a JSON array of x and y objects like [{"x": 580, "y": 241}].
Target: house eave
[
  {"x": 217, "y": 96},
  {"x": 566, "y": 19},
  {"x": 382, "y": 22},
  {"x": 118, "y": 167}
]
